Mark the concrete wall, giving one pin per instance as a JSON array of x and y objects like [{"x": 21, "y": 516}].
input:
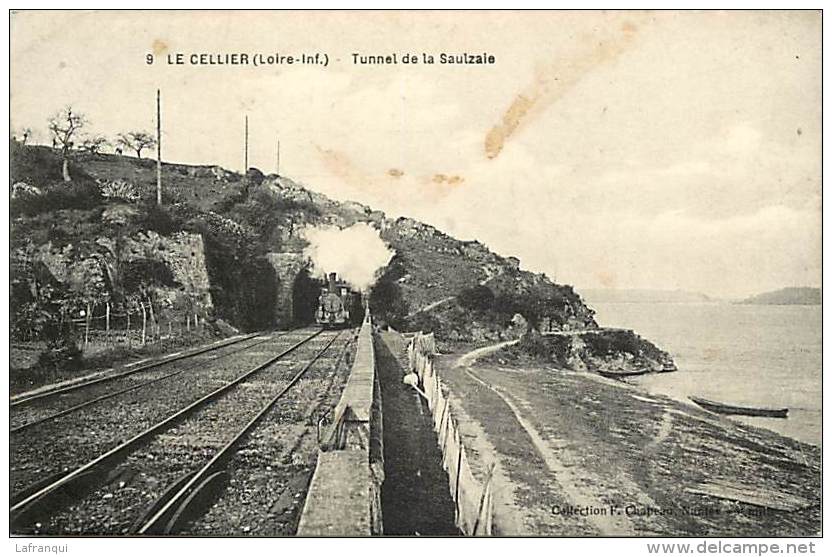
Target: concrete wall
[{"x": 344, "y": 497}]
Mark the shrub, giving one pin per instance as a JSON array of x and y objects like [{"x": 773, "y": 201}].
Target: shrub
[
  {"x": 119, "y": 189},
  {"x": 254, "y": 176},
  {"x": 614, "y": 342},
  {"x": 533, "y": 344},
  {"x": 478, "y": 298},
  {"x": 62, "y": 356},
  {"x": 386, "y": 302},
  {"x": 74, "y": 195},
  {"x": 506, "y": 304},
  {"x": 62, "y": 350},
  {"x": 160, "y": 219}
]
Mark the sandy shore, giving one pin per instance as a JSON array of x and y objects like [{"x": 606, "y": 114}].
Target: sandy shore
[{"x": 578, "y": 454}]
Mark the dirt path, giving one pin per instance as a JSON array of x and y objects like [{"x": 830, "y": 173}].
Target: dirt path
[
  {"x": 469, "y": 358},
  {"x": 431, "y": 306},
  {"x": 607, "y": 524}
]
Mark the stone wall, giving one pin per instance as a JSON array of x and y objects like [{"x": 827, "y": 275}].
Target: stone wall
[
  {"x": 287, "y": 266},
  {"x": 183, "y": 253}
]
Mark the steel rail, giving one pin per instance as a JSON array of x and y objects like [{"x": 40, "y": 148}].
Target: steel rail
[
  {"x": 209, "y": 468},
  {"x": 143, "y": 367},
  {"x": 73, "y": 409},
  {"x": 19, "y": 507}
]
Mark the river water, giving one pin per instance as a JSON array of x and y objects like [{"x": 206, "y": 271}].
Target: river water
[{"x": 745, "y": 354}]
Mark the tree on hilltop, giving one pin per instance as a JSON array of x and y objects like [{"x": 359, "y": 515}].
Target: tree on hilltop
[
  {"x": 65, "y": 126},
  {"x": 136, "y": 141},
  {"x": 94, "y": 144}
]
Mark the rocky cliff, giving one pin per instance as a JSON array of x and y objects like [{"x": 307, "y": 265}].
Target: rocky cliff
[{"x": 223, "y": 237}]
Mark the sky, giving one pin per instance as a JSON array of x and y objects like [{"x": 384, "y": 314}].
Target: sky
[{"x": 652, "y": 150}]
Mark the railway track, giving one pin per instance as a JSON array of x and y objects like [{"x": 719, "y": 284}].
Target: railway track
[
  {"x": 58, "y": 446},
  {"x": 62, "y": 402},
  {"x": 22, "y": 400},
  {"x": 269, "y": 474},
  {"x": 153, "y": 481}
]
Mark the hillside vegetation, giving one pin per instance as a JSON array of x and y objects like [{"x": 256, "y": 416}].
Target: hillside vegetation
[{"x": 104, "y": 225}]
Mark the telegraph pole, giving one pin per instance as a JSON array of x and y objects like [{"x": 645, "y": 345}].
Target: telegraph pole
[
  {"x": 158, "y": 147},
  {"x": 245, "y": 156},
  {"x": 277, "y": 163}
]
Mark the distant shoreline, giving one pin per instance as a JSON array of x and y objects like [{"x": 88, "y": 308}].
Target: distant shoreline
[{"x": 792, "y": 296}]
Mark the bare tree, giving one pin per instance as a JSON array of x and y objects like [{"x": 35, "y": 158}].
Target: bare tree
[
  {"x": 136, "y": 141},
  {"x": 94, "y": 144},
  {"x": 64, "y": 127}
]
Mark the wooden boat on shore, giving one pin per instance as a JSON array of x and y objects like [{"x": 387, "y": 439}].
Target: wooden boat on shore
[
  {"x": 622, "y": 374},
  {"x": 722, "y": 408}
]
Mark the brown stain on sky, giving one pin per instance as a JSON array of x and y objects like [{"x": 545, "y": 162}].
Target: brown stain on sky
[
  {"x": 553, "y": 82},
  {"x": 431, "y": 188},
  {"x": 449, "y": 180},
  {"x": 606, "y": 278},
  {"x": 339, "y": 164},
  {"x": 160, "y": 47}
]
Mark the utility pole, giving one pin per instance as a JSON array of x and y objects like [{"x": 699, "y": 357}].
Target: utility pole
[
  {"x": 277, "y": 162},
  {"x": 158, "y": 147},
  {"x": 245, "y": 156}
]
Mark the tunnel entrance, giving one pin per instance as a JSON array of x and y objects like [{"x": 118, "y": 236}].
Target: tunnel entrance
[{"x": 305, "y": 292}]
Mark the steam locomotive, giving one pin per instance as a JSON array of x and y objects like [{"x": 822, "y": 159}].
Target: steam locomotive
[{"x": 335, "y": 303}]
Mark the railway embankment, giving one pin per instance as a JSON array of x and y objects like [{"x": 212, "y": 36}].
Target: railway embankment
[{"x": 540, "y": 450}]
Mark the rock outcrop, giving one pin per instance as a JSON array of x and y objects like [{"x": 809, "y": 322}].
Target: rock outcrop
[{"x": 604, "y": 350}]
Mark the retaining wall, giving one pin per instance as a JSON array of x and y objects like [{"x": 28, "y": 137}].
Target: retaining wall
[
  {"x": 344, "y": 496},
  {"x": 474, "y": 498}
]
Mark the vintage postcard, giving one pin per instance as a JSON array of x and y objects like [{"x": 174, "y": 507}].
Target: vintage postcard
[{"x": 415, "y": 273}]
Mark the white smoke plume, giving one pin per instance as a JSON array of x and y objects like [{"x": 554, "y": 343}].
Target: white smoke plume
[{"x": 356, "y": 253}]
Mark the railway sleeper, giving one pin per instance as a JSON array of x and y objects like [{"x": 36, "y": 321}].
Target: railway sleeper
[
  {"x": 65, "y": 494},
  {"x": 196, "y": 503},
  {"x": 166, "y": 496}
]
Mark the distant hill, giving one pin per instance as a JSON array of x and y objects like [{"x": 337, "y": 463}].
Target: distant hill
[
  {"x": 795, "y": 296},
  {"x": 614, "y": 295}
]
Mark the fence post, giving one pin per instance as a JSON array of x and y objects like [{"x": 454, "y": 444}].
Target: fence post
[
  {"x": 456, "y": 489},
  {"x": 144, "y": 323},
  {"x": 153, "y": 325},
  {"x": 87, "y": 320}
]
